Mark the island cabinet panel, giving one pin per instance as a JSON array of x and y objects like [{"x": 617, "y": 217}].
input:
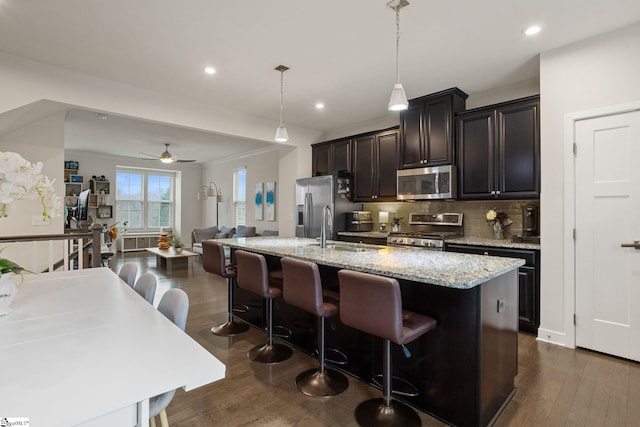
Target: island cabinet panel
[
  {"x": 331, "y": 156},
  {"x": 499, "y": 151},
  {"x": 463, "y": 370},
  {"x": 375, "y": 162},
  {"x": 528, "y": 281},
  {"x": 427, "y": 129}
]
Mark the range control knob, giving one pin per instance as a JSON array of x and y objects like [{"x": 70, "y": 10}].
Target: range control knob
[{"x": 412, "y": 241}]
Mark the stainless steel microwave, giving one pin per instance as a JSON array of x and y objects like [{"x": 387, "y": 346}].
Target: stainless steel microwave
[{"x": 438, "y": 182}]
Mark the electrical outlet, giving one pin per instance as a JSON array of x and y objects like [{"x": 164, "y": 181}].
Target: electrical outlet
[
  {"x": 500, "y": 305},
  {"x": 40, "y": 220}
]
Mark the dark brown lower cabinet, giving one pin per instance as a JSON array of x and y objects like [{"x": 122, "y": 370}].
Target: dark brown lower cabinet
[{"x": 528, "y": 281}]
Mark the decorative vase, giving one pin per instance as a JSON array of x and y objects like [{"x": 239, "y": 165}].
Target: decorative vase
[
  {"x": 178, "y": 250},
  {"x": 498, "y": 231},
  {"x": 395, "y": 228},
  {"x": 8, "y": 291}
]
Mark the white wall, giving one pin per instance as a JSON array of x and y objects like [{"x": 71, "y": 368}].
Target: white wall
[
  {"x": 594, "y": 73},
  {"x": 503, "y": 93},
  {"x": 261, "y": 167},
  {"x": 188, "y": 216},
  {"x": 41, "y": 141}
]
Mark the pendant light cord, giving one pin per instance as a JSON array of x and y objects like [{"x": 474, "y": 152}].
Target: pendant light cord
[
  {"x": 397, "y": 8},
  {"x": 281, "y": 95}
]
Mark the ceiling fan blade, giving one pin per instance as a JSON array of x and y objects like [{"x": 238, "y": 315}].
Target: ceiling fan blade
[
  {"x": 153, "y": 156},
  {"x": 185, "y": 161}
]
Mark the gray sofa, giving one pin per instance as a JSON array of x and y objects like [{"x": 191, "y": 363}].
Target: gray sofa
[{"x": 215, "y": 232}]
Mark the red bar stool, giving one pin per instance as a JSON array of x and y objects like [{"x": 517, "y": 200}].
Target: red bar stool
[
  {"x": 302, "y": 288},
  {"x": 213, "y": 261},
  {"x": 373, "y": 304},
  {"x": 252, "y": 275}
]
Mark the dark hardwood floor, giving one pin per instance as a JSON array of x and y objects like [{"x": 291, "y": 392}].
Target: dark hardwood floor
[{"x": 555, "y": 386}]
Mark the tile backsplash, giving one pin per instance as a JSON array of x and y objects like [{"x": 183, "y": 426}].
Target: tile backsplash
[{"x": 474, "y": 221}]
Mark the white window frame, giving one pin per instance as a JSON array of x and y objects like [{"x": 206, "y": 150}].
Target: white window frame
[
  {"x": 145, "y": 202},
  {"x": 239, "y": 197}
]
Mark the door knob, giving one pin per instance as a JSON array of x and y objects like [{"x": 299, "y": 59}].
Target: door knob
[{"x": 634, "y": 245}]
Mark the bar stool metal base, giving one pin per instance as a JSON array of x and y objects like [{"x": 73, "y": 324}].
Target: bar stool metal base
[
  {"x": 229, "y": 328},
  {"x": 400, "y": 386},
  {"x": 269, "y": 353},
  {"x": 322, "y": 384},
  {"x": 374, "y": 412}
]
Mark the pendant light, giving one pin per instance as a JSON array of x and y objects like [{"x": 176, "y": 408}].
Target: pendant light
[
  {"x": 281, "y": 132},
  {"x": 398, "y": 100}
]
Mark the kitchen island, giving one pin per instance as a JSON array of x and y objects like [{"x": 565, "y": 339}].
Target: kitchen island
[{"x": 463, "y": 370}]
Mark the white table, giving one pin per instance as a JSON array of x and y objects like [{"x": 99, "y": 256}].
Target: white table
[{"x": 82, "y": 347}]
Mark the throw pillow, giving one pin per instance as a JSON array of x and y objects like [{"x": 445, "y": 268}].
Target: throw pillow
[
  {"x": 244, "y": 231},
  {"x": 227, "y": 230}
]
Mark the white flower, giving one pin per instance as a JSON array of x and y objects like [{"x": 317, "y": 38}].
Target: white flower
[
  {"x": 21, "y": 180},
  {"x": 491, "y": 215}
]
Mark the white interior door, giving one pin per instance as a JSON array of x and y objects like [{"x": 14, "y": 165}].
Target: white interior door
[{"x": 607, "y": 215}]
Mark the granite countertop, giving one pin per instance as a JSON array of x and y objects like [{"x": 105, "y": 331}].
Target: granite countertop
[
  {"x": 371, "y": 234},
  {"x": 452, "y": 270},
  {"x": 483, "y": 241}
]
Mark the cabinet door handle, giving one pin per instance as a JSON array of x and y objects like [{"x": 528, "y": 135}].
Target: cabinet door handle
[
  {"x": 498, "y": 192},
  {"x": 493, "y": 192},
  {"x": 485, "y": 253}
]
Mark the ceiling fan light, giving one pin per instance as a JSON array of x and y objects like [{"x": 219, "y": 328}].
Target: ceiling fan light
[
  {"x": 398, "y": 100},
  {"x": 167, "y": 159},
  {"x": 281, "y": 134}
]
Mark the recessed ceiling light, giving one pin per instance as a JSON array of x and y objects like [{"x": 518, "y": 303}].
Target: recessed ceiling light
[
  {"x": 210, "y": 70},
  {"x": 532, "y": 30},
  {"x": 319, "y": 105}
]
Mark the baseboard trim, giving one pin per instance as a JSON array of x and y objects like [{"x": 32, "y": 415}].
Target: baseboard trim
[{"x": 552, "y": 337}]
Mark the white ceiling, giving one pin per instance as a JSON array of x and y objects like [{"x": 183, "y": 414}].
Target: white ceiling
[{"x": 339, "y": 52}]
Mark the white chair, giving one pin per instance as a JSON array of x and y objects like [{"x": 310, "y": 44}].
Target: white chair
[
  {"x": 128, "y": 272},
  {"x": 174, "y": 304},
  {"x": 146, "y": 286}
]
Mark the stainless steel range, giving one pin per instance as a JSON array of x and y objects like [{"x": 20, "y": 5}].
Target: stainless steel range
[{"x": 428, "y": 230}]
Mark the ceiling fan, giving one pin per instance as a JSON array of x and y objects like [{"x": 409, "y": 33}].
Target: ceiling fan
[{"x": 166, "y": 156}]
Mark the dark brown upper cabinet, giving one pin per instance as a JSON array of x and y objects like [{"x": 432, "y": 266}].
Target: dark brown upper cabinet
[
  {"x": 331, "y": 156},
  {"x": 427, "y": 129},
  {"x": 375, "y": 162},
  {"x": 499, "y": 151}
]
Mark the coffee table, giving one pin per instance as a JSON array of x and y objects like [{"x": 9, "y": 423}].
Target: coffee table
[{"x": 169, "y": 259}]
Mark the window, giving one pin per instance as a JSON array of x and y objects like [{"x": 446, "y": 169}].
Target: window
[
  {"x": 239, "y": 195},
  {"x": 144, "y": 198}
]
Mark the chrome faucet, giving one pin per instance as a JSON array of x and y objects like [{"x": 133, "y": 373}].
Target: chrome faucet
[{"x": 326, "y": 218}]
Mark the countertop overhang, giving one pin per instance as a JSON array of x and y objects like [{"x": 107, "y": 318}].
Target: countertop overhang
[{"x": 452, "y": 270}]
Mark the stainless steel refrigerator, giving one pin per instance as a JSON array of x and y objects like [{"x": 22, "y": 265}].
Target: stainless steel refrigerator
[{"x": 312, "y": 194}]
